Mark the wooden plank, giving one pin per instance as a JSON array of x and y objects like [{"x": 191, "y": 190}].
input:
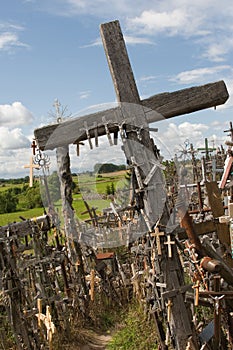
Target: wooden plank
[
  {"x": 118, "y": 61},
  {"x": 24, "y": 228},
  {"x": 206, "y": 227},
  {"x": 215, "y": 200},
  {"x": 157, "y": 107},
  {"x": 138, "y": 148},
  {"x": 188, "y": 100}
]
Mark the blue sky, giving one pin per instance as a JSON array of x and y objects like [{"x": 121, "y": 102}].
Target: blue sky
[{"x": 51, "y": 49}]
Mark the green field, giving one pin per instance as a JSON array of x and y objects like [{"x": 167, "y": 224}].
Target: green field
[
  {"x": 9, "y": 218},
  {"x": 91, "y": 187}
]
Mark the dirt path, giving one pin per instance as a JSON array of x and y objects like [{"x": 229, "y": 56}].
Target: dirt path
[{"x": 97, "y": 342}]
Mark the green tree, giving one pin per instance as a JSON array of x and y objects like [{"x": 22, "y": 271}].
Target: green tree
[
  {"x": 101, "y": 168},
  {"x": 110, "y": 189},
  {"x": 33, "y": 197},
  {"x": 113, "y": 188},
  {"x": 8, "y": 202}
]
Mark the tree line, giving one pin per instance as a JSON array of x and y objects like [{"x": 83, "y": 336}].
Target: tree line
[
  {"x": 102, "y": 168},
  {"x": 25, "y": 197}
]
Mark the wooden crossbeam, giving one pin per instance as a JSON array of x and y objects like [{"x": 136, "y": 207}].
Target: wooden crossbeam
[
  {"x": 158, "y": 107},
  {"x": 24, "y": 228}
]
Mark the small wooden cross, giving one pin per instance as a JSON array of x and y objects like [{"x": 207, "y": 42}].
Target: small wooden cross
[
  {"x": 196, "y": 293},
  {"x": 157, "y": 234},
  {"x": 33, "y": 146},
  {"x": 31, "y": 166},
  {"x": 169, "y": 244},
  {"x": 47, "y": 320},
  {"x": 169, "y": 307}
]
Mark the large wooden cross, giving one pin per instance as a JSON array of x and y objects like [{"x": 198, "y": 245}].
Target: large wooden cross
[
  {"x": 158, "y": 107},
  {"x": 132, "y": 118},
  {"x": 137, "y": 114}
]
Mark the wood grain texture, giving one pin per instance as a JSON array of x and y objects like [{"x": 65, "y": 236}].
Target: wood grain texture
[
  {"x": 158, "y": 107},
  {"x": 165, "y": 105},
  {"x": 119, "y": 64}
]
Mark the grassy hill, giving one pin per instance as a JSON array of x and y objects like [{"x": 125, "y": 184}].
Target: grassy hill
[{"x": 90, "y": 187}]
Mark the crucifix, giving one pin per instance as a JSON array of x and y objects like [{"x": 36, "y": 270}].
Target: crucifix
[
  {"x": 31, "y": 166},
  {"x": 131, "y": 118}
]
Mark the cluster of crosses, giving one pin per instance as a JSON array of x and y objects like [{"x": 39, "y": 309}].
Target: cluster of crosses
[{"x": 131, "y": 119}]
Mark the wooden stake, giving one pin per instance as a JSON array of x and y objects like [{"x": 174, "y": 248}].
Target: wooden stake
[
  {"x": 196, "y": 293},
  {"x": 39, "y": 307},
  {"x": 92, "y": 284},
  {"x": 169, "y": 306}
]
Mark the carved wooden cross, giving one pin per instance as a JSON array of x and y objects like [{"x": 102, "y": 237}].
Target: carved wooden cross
[
  {"x": 31, "y": 166},
  {"x": 131, "y": 119},
  {"x": 137, "y": 114},
  {"x": 157, "y": 234},
  {"x": 166, "y": 105},
  {"x": 33, "y": 146}
]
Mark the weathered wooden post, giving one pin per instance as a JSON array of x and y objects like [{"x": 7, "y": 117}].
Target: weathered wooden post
[
  {"x": 142, "y": 157},
  {"x": 64, "y": 172}
]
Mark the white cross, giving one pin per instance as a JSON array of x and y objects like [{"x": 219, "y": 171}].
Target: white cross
[{"x": 169, "y": 243}]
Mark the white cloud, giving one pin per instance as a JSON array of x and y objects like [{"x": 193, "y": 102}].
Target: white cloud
[
  {"x": 148, "y": 78},
  {"x": 102, "y": 7},
  {"x": 104, "y": 153},
  {"x": 14, "y": 115},
  {"x": 84, "y": 94},
  {"x": 173, "y": 22},
  {"x": 129, "y": 40},
  {"x": 12, "y": 139},
  {"x": 198, "y": 19},
  {"x": 133, "y": 40},
  {"x": 9, "y": 37},
  {"x": 219, "y": 126},
  {"x": 171, "y": 138},
  {"x": 199, "y": 75},
  {"x": 12, "y": 163},
  {"x": 216, "y": 48}
]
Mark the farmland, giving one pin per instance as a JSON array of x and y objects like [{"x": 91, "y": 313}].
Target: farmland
[{"x": 90, "y": 187}]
